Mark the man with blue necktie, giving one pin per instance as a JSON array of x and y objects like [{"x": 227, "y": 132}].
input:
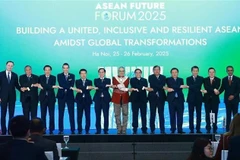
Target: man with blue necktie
[
  {"x": 8, "y": 85},
  {"x": 65, "y": 96},
  {"x": 102, "y": 99},
  {"x": 84, "y": 100},
  {"x": 175, "y": 100}
]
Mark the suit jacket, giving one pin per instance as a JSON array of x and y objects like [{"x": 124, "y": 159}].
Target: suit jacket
[
  {"x": 45, "y": 144},
  {"x": 233, "y": 149},
  {"x": 194, "y": 90},
  {"x": 21, "y": 150},
  {"x": 210, "y": 95},
  {"x": 232, "y": 89},
  {"x": 25, "y": 82},
  {"x": 140, "y": 96},
  {"x": 8, "y": 89},
  {"x": 157, "y": 85},
  {"x": 47, "y": 88},
  {"x": 223, "y": 145},
  {"x": 175, "y": 84},
  {"x": 119, "y": 95},
  {"x": 66, "y": 85},
  {"x": 85, "y": 91},
  {"x": 102, "y": 89}
]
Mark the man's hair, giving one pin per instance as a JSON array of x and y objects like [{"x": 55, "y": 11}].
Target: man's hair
[
  {"x": 82, "y": 70},
  {"x": 229, "y": 67},
  {"x": 194, "y": 67},
  {"x": 9, "y": 62},
  {"x": 36, "y": 125},
  {"x": 121, "y": 67},
  {"x": 47, "y": 66},
  {"x": 65, "y": 64},
  {"x": 174, "y": 69},
  {"x": 211, "y": 68},
  {"x": 102, "y": 69},
  {"x": 19, "y": 126},
  {"x": 138, "y": 70},
  {"x": 156, "y": 66},
  {"x": 27, "y": 66}
]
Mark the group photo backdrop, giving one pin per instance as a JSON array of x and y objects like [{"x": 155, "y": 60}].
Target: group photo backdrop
[{"x": 134, "y": 34}]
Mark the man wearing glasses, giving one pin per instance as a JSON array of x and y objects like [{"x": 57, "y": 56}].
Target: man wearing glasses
[
  {"x": 120, "y": 99},
  {"x": 231, "y": 86}
]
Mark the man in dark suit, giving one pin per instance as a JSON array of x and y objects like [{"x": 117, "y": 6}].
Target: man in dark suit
[
  {"x": 83, "y": 99},
  {"x": 139, "y": 100},
  {"x": 175, "y": 100},
  {"x": 211, "y": 98},
  {"x": 37, "y": 129},
  {"x": 102, "y": 99},
  {"x": 65, "y": 96},
  {"x": 47, "y": 84},
  {"x": 157, "y": 98},
  {"x": 231, "y": 86},
  {"x": 19, "y": 148},
  {"x": 29, "y": 95},
  {"x": 195, "y": 98},
  {"x": 8, "y": 85}
]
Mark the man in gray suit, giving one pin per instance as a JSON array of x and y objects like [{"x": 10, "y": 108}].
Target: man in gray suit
[{"x": 37, "y": 129}]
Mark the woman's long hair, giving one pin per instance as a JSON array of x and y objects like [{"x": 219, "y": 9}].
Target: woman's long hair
[
  {"x": 198, "y": 149},
  {"x": 234, "y": 129}
]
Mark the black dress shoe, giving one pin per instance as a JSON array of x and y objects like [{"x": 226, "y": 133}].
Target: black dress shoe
[
  {"x": 191, "y": 131},
  {"x": 199, "y": 132},
  {"x": 87, "y": 132},
  {"x": 172, "y": 132},
  {"x": 72, "y": 132},
  {"x": 134, "y": 132},
  {"x": 144, "y": 132},
  {"x": 79, "y": 132},
  {"x": 215, "y": 132},
  {"x": 208, "y": 131},
  {"x": 181, "y": 132},
  {"x": 51, "y": 132},
  {"x": 98, "y": 132},
  {"x": 105, "y": 132},
  {"x": 4, "y": 133},
  {"x": 152, "y": 132},
  {"x": 60, "y": 132}
]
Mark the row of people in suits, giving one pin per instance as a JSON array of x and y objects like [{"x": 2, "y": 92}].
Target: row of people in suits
[{"x": 29, "y": 83}]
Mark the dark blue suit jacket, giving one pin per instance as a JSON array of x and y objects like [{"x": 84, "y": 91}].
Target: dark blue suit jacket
[
  {"x": 85, "y": 91},
  {"x": 66, "y": 85},
  {"x": 102, "y": 89},
  {"x": 194, "y": 91},
  {"x": 232, "y": 89},
  {"x": 8, "y": 89},
  {"x": 175, "y": 84},
  {"x": 140, "y": 96},
  {"x": 47, "y": 88},
  {"x": 233, "y": 149},
  {"x": 157, "y": 85},
  {"x": 21, "y": 150},
  {"x": 210, "y": 95}
]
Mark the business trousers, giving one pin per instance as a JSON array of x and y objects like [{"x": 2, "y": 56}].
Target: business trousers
[
  {"x": 70, "y": 105},
  {"x": 211, "y": 106},
  {"x": 136, "y": 106},
  {"x": 154, "y": 105},
  {"x": 121, "y": 110},
  {"x": 102, "y": 106},
  {"x": 30, "y": 106},
  {"x": 176, "y": 107},
  {"x": 10, "y": 105},
  {"x": 49, "y": 105},
  {"x": 191, "y": 108},
  {"x": 231, "y": 110},
  {"x": 86, "y": 108}
]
